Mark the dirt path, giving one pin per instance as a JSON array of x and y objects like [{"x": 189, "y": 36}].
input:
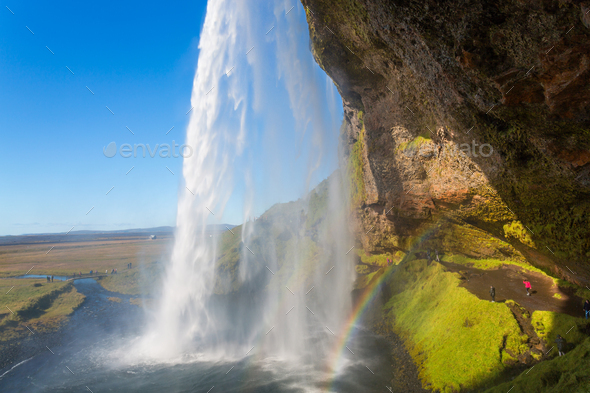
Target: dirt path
[{"x": 508, "y": 283}]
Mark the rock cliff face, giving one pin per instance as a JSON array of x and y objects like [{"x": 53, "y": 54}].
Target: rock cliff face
[{"x": 465, "y": 116}]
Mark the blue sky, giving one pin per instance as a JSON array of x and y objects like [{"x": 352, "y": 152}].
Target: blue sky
[{"x": 139, "y": 59}]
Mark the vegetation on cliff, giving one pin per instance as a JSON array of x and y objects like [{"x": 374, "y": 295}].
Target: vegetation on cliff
[
  {"x": 287, "y": 238},
  {"x": 355, "y": 169}
]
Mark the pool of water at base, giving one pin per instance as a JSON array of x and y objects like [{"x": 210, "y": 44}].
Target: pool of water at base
[
  {"x": 94, "y": 341},
  {"x": 55, "y": 278}
]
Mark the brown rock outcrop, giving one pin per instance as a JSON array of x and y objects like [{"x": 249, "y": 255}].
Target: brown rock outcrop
[{"x": 474, "y": 110}]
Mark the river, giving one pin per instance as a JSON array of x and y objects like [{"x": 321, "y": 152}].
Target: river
[{"x": 93, "y": 356}]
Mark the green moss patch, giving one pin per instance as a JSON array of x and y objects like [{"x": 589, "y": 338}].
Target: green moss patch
[
  {"x": 380, "y": 259},
  {"x": 413, "y": 145},
  {"x": 516, "y": 230},
  {"x": 489, "y": 264},
  {"x": 355, "y": 170},
  {"x": 569, "y": 373},
  {"x": 367, "y": 280},
  {"x": 461, "y": 238},
  {"x": 457, "y": 340},
  {"x": 549, "y": 324}
]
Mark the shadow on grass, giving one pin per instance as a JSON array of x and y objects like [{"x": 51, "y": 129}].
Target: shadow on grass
[
  {"x": 552, "y": 373},
  {"x": 36, "y": 307}
]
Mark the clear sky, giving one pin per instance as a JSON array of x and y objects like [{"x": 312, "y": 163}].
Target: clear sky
[{"x": 139, "y": 60}]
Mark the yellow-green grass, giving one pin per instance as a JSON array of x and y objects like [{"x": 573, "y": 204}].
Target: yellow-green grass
[
  {"x": 115, "y": 299},
  {"x": 143, "y": 279},
  {"x": 569, "y": 373},
  {"x": 67, "y": 258},
  {"x": 414, "y": 144},
  {"x": 363, "y": 281},
  {"x": 380, "y": 259},
  {"x": 516, "y": 230},
  {"x": 549, "y": 324},
  {"x": 457, "y": 340},
  {"x": 355, "y": 170},
  {"x": 491, "y": 264},
  {"x": 41, "y": 307}
]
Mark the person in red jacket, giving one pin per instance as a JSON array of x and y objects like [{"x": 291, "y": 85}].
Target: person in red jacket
[{"x": 527, "y": 285}]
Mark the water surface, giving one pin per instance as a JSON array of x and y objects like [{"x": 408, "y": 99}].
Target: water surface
[{"x": 95, "y": 347}]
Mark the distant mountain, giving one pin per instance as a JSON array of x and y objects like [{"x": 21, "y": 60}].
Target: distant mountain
[{"x": 91, "y": 235}]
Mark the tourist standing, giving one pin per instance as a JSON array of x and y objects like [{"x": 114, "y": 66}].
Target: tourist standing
[
  {"x": 527, "y": 285},
  {"x": 493, "y": 293},
  {"x": 560, "y": 345},
  {"x": 587, "y": 308}
]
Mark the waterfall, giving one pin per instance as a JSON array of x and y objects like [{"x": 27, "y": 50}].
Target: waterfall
[{"x": 260, "y": 108}]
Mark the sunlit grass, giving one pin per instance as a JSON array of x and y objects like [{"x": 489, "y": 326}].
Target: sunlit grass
[
  {"x": 549, "y": 324},
  {"x": 37, "y": 304},
  {"x": 457, "y": 340},
  {"x": 489, "y": 264}
]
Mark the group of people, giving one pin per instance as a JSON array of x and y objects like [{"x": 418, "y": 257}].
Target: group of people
[
  {"x": 92, "y": 272},
  {"x": 527, "y": 285},
  {"x": 560, "y": 341}
]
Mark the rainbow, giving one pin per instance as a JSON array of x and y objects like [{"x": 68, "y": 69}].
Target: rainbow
[
  {"x": 357, "y": 313},
  {"x": 335, "y": 360}
]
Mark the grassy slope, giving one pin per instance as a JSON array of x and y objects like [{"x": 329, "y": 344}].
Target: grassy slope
[
  {"x": 142, "y": 279},
  {"x": 42, "y": 308},
  {"x": 549, "y": 324},
  {"x": 569, "y": 373},
  {"x": 456, "y": 339},
  {"x": 284, "y": 238}
]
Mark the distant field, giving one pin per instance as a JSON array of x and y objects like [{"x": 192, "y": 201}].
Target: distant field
[
  {"x": 43, "y": 306},
  {"x": 70, "y": 257}
]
